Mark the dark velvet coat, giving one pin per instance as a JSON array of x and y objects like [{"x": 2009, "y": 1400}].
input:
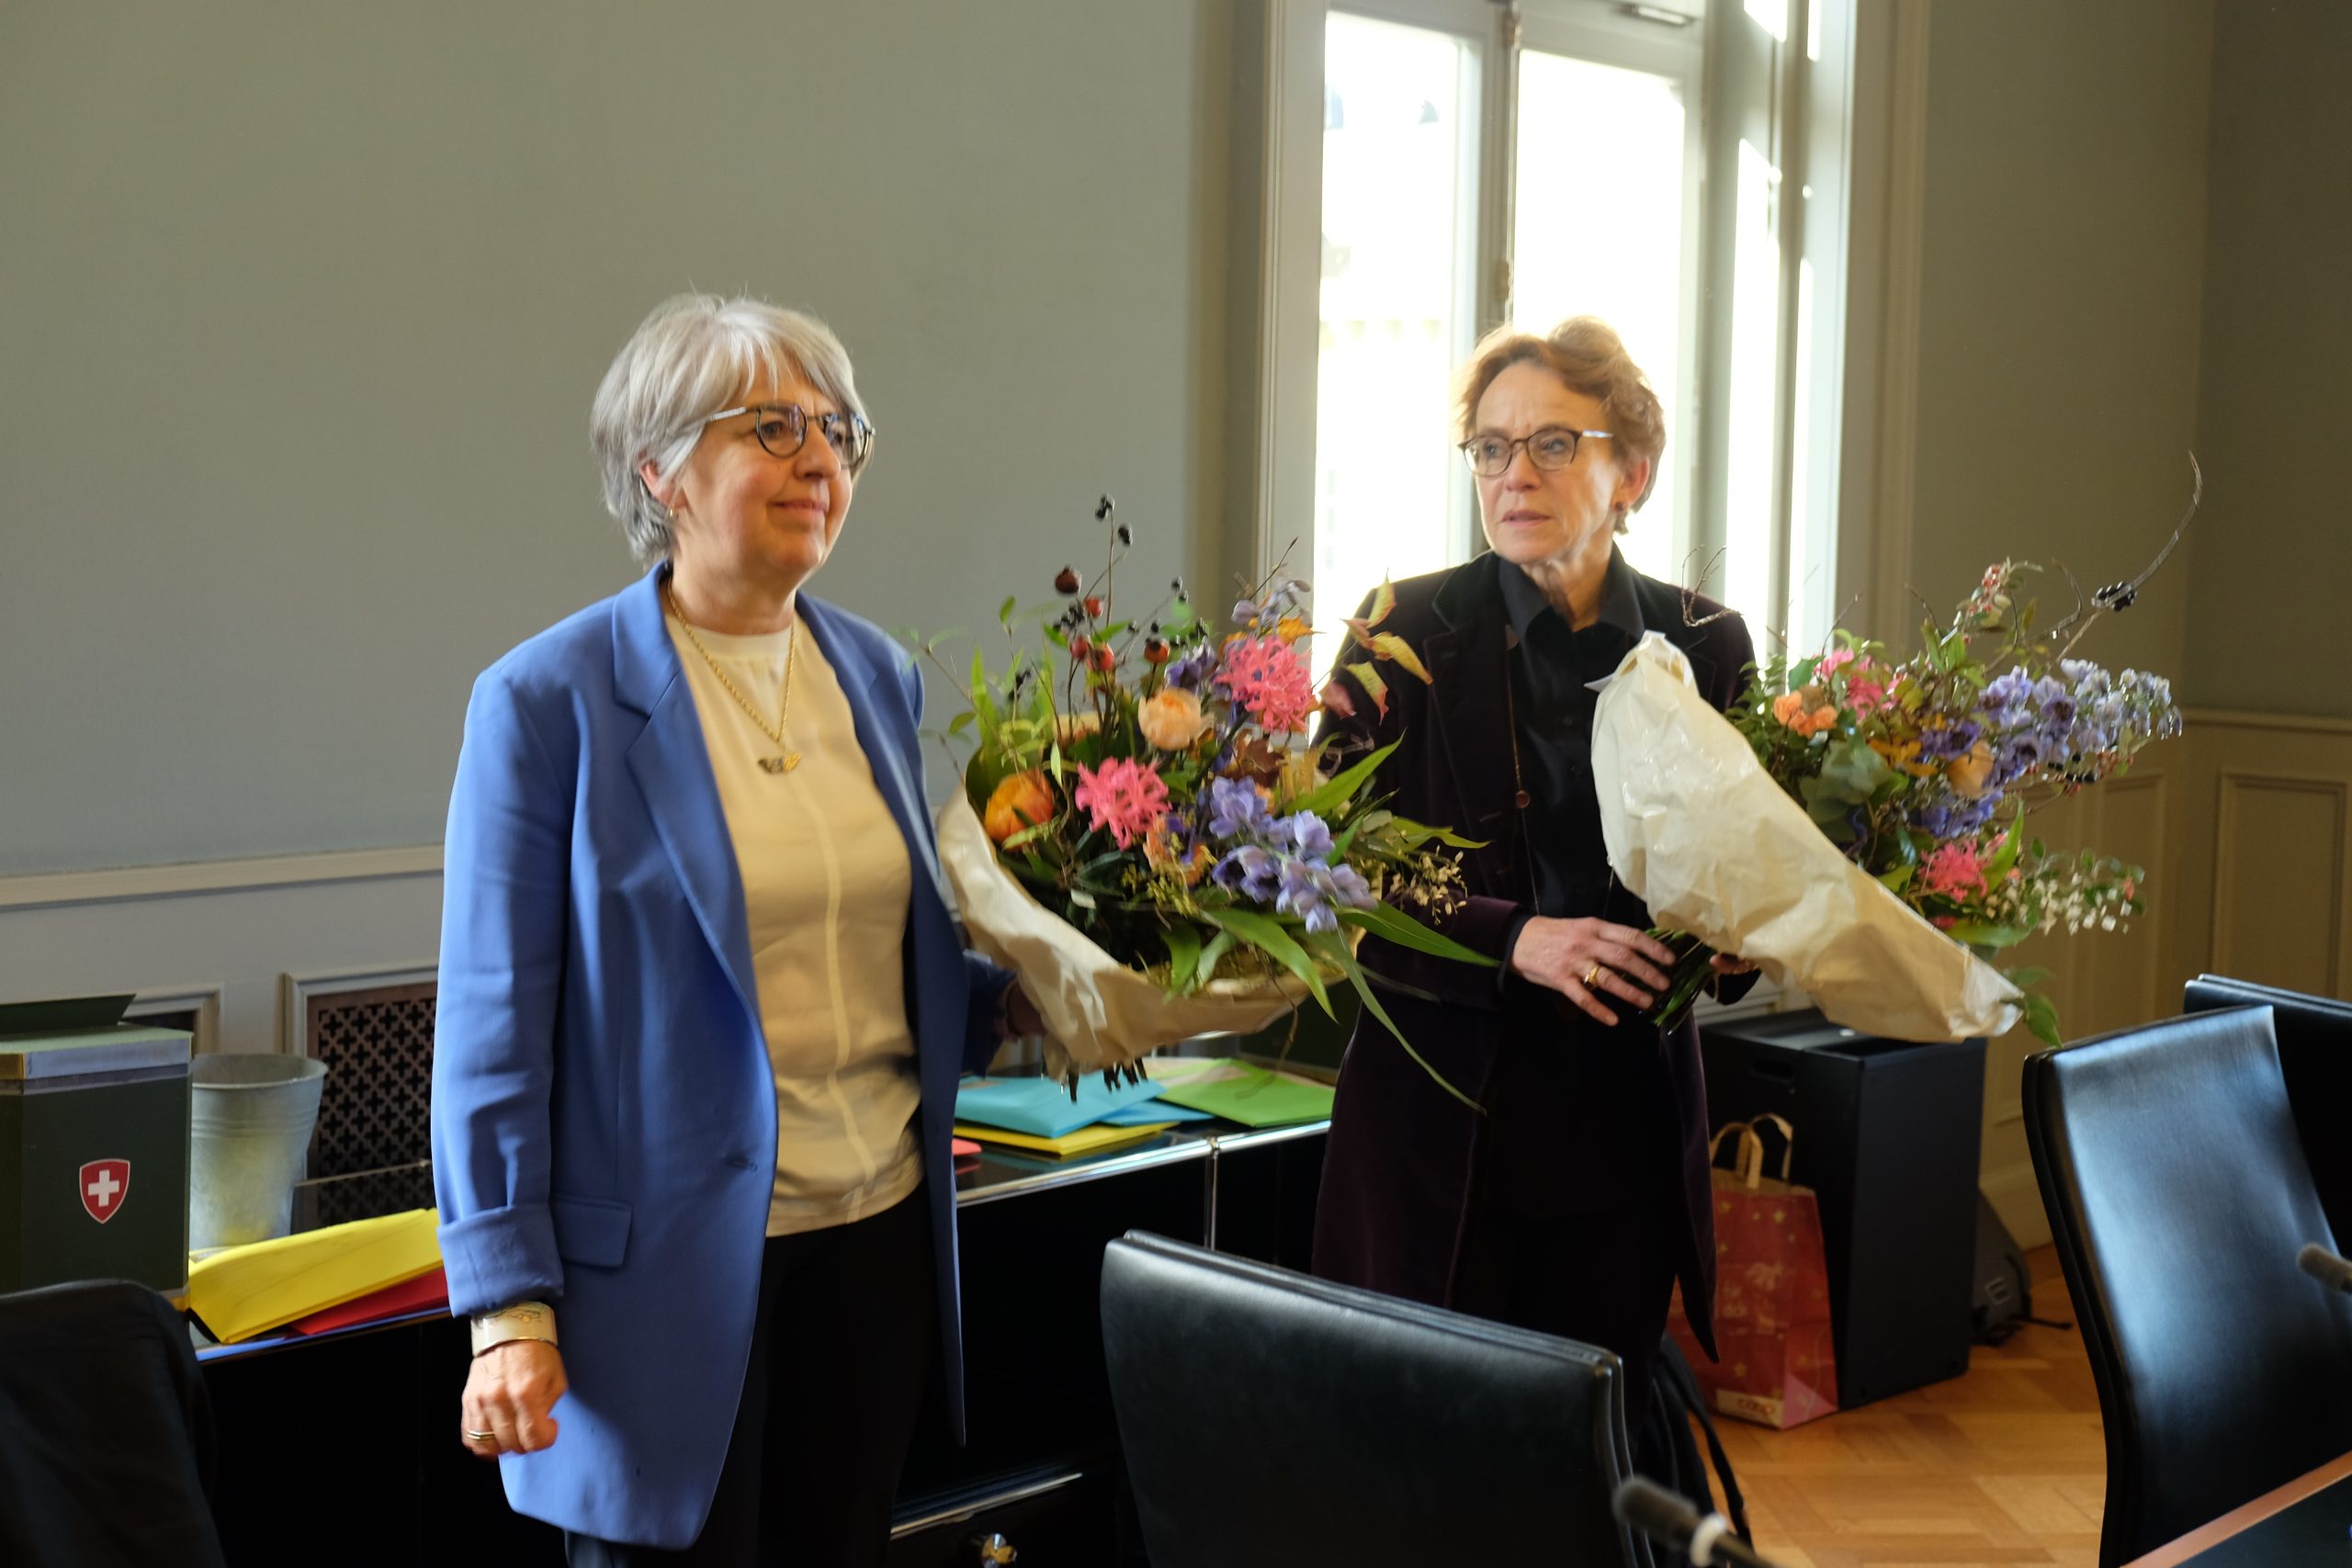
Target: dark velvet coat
[{"x": 1404, "y": 1158}]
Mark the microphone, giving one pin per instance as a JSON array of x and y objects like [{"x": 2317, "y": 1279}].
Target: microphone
[
  {"x": 2326, "y": 1266},
  {"x": 1668, "y": 1518}
]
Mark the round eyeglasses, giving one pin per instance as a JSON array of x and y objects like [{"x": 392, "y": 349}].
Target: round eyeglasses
[
  {"x": 783, "y": 429},
  {"x": 1553, "y": 446}
]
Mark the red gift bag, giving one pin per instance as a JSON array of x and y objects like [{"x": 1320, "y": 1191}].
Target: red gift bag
[{"x": 1778, "y": 1366}]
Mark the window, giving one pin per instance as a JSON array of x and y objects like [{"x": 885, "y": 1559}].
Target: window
[{"x": 1645, "y": 163}]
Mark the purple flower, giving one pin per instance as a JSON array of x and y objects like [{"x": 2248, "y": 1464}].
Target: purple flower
[
  {"x": 1253, "y": 873},
  {"x": 1194, "y": 669},
  {"x": 1949, "y": 740},
  {"x": 1237, "y": 811},
  {"x": 1307, "y": 834},
  {"x": 2008, "y": 690},
  {"x": 2056, "y": 703},
  {"x": 1349, "y": 888},
  {"x": 1303, "y": 894},
  {"x": 2019, "y": 755}
]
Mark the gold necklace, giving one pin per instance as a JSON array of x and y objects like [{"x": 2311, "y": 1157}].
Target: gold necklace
[{"x": 785, "y": 759}]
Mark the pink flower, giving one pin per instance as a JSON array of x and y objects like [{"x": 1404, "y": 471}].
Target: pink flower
[
  {"x": 1954, "y": 871},
  {"x": 1837, "y": 658},
  {"x": 1126, "y": 796},
  {"x": 1268, "y": 677},
  {"x": 1864, "y": 696}
]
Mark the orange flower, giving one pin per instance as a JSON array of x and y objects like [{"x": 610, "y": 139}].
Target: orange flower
[
  {"x": 1160, "y": 848},
  {"x": 1807, "y": 712},
  {"x": 1970, "y": 774},
  {"x": 1020, "y": 800},
  {"x": 1170, "y": 718}
]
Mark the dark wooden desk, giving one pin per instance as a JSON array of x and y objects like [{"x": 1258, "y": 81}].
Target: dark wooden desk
[
  {"x": 2307, "y": 1521},
  {"x": 341, "y": 1448}
]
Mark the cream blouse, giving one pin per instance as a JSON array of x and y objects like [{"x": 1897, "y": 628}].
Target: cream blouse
[{"x": 826, "y": 882}]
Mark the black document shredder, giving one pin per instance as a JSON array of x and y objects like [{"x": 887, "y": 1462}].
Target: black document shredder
[{"x": 1887, "y": 1135}]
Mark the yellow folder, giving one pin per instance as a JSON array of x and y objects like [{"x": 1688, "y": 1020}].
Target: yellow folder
[
  {"x": 1085, "y": 1141},
  {"x": 241, "y": 1292}
]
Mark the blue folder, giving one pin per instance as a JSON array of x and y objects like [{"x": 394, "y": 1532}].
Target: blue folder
[{"x": 1040, "y": 1106}]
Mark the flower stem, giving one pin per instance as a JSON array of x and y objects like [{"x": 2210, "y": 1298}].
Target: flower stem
[{"x": 1685, "y": 980}]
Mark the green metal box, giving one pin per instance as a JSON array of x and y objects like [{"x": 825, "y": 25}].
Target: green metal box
[{"x": 93, "y": 1149}]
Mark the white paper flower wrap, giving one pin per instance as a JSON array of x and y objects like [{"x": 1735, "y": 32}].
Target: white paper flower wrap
[
  {"x": 1099, "y": 1012},
  {"x": 1713, "y": 846}
]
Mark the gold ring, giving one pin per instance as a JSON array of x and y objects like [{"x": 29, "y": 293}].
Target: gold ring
[
  {"x": 1592, "y": 974},
  {"x": 477, "y": 1437}
]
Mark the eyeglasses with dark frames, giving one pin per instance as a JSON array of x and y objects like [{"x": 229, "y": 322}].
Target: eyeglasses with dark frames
[
  {"x": 783, "y": 429},
  {"x": 1552, "y": 447}
]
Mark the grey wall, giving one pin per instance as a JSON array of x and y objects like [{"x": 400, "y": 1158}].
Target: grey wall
[
  {"x": 301, "y": 308},
  {"x": 2060, "y": 300},
  {"x": 2274, "y": 563}
]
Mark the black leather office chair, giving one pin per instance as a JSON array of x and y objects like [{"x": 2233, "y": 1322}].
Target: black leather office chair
[
  {"x": 105, "y": 1436},
  {"x": 1271, "y": 1420},
  {"x": 2315, "y": 1053},
  {"x": 2178, "y": 1197}
]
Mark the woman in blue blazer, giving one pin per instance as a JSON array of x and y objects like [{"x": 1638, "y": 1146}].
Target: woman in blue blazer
[{"x": 702, "y": 1006}]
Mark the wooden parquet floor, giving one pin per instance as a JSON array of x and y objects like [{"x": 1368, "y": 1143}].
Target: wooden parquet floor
[{"x": 2006, "y": 1464}]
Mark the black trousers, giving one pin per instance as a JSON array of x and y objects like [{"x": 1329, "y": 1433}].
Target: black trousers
[{"x": 842, "y": 1353}]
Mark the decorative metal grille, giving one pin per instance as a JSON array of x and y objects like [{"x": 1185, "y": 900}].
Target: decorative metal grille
[{"x": 375, "y": 1104}]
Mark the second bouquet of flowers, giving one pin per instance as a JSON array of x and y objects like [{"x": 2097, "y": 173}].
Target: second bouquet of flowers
[{"x": 1145, "y": 837}]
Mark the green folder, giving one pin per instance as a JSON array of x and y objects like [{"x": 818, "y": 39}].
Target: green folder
[{"x": 1253, "y": 1096}]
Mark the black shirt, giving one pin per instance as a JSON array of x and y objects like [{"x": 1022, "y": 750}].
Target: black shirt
[
  {"x": 1568, "y": 1131},
  {"x": 1552, "y": 699}
]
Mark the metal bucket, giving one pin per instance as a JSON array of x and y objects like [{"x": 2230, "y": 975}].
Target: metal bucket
[{"x": 249, "y": 1127}]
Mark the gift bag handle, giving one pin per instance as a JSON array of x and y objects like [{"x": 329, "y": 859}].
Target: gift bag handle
[{"x": 1749, "y": 1163}]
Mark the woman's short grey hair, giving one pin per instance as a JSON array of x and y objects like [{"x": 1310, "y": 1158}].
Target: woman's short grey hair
[{"x": 692, "y": 357}]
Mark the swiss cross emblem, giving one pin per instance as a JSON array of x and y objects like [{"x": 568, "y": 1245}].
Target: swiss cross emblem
[{"x": 104, "y": 1184}]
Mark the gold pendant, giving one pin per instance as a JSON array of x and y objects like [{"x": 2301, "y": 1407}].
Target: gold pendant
[{"x": 783, "y": 764}]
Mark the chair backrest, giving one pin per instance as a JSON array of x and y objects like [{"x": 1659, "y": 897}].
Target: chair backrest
[
  {"x": 106, "y": 1435},
  {"x": 1273, "y": 1419},
  {"x": 2315, "y": 1054},
  {"x": 2178, "y": 1197}
]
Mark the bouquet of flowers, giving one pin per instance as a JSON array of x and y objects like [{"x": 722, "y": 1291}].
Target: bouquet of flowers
[
  {"x": 1146, "y": 839},
  {"x": 1912, "y": 780}
]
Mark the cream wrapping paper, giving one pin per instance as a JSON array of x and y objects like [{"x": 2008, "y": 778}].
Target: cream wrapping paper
[
  {"x": 1713, "y": 846},
  {"x": 1099, "y": 1012}
]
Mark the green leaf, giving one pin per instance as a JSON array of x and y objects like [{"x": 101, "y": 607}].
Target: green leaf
[
  {"x": 1393, "y": 925},
  {"x": 1268, "y": 935},
  {"x": 961, "y": 722},
  {"x": 1895, "y": 881},
  {"x": 1338, "y": 950},
  {"x": 1388, "y": 644},
  {"x": 1984, "y": 933},
  {"x": 1211, "y": 956},
  {"x": 1004, "y": 611},
  {"x": 1373, "y": 686},
  {"x": 2042, "y": 1017},
  {"x": 1852, "y": 768},
  {"x": 982, "y": 703},
  {"x": 1334, "y": 794},
  {"x": 1183, "y": 954},
  {"x": 2024, "y": 979}
]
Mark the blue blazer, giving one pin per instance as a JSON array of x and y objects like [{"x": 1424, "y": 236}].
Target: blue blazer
[{"x": 604, "y": 1112}]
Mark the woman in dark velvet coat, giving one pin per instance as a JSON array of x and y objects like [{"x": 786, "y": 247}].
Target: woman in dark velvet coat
[{"x": 1580, "y": 1195}]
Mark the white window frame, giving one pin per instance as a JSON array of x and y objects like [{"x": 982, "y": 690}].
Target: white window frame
[{"x": 1860, "y": 143}]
